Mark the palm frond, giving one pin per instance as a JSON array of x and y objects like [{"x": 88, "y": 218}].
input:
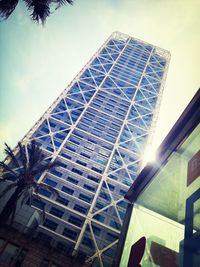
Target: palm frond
[
  {"x": 22, "y": 155},
  {"x": 61, "y": 3},
  {"x": 7, "y": 176},
  {"x": 35, "y": 155},
  {"x": 34, "y": 185},
  {"x": 36, "y": 189},
  {"x": 8, "y": 188},
  {"x": 32, "y": 163},
  {"x": 30, "y": 196},
  {"x": 48, "y": 188},
  {"x": 26, "y": 197},
  {"x": 7, "y": 7},
  {"x": 11, "y": 155},
  {"x": 13, "y": 214},
  {"x": 38, "y": 170},
  {"x": 3, "y": 179},
  {"x": 43, "y": 206},
  {"x": 6, "y": 168},
  {"x": 40, "y": 9}
]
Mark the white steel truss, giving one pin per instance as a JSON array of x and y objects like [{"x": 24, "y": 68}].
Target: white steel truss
[{"x": 97, "y": 128}]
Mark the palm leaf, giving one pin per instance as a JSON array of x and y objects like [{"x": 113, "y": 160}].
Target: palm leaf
[
  {"x": 8, "y": 188},
  {"x": 6, "y": 168},
  {"x": 13, "y": 213},
  {"x": 7, "y": 7},
  {"x": 61, "y": 3},
  {"x": 34, "y": 155},
  {"x": 22, "y": 155},
  {"x": 11, "y": 155},
  {"x": 26, "y": 196},
  {"x": 48, "y": 188},
  {"x": 40, "y": 9},
  {"x": 44, "y": 167},
  {"x": 6, "y": 176},
  {"x": 43, "y": 207},
  {"x": 31, "y": 164},
  {"x": 34, "y": 185}
]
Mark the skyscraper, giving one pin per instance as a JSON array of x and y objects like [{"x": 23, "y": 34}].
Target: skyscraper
[{"x": 97, "y": 129}]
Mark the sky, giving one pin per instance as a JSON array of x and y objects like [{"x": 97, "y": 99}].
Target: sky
[{"x": 37, "y": 63}]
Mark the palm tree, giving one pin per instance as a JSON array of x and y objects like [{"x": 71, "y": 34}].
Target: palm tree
[
  {"x": 21, "y": 171},
  {"x": 40, "y": 9}
]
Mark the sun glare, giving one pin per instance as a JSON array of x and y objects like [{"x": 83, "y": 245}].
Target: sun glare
[{"x": 149, "y": 155}]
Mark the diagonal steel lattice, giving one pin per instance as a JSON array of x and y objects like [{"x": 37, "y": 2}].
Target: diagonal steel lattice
[{"x": 98, "y": 128}]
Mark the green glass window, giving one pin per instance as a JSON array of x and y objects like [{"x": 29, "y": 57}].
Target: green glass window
[{"x": 167, "y": 213}]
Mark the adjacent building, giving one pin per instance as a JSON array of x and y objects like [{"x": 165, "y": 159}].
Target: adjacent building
[
  {"x": 97, "y": 129},
  {"x": 162, "y": 225}
]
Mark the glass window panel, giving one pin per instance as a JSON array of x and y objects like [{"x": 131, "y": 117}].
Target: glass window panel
[
  {"x": 50, "y": 224},
  {"x": 168, "y": 206}
]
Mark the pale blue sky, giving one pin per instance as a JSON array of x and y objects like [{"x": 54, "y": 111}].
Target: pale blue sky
[{"x": 37, "y": 62}]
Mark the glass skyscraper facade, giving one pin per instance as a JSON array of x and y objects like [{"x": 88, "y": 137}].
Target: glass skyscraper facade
[{"x": 97, "y": 129}]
